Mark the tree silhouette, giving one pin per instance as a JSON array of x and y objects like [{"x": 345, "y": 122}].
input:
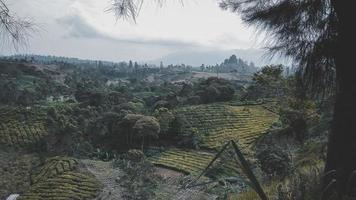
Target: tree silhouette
[{"x": 316, "y": 34}]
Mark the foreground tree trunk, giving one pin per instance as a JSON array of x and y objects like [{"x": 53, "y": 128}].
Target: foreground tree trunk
[{"x": 342, "y": 140}]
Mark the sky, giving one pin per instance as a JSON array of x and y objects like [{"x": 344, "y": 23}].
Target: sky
[{"x": 82, "y": 29}]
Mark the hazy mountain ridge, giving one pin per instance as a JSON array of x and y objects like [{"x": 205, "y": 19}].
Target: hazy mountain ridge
[{"x": 196, "y": 58}]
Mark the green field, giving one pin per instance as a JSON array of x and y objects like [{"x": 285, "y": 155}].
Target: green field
[
  {"x": 187, "y": 161},
  {"x": 20, "y": 127},
  {"x": 60, "y": 179},
  {"x": 216, "y": 124},
  {"x": 194, "y": 162}
]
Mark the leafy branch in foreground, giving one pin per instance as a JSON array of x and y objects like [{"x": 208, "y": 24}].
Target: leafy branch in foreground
[
  {"x": 14, "y": 29},
  {"x": 129, "y": 9},
  {"x": 302, "y": 30}
]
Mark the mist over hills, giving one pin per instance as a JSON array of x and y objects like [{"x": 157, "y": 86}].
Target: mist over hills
[{"x": 196, "y": 58}]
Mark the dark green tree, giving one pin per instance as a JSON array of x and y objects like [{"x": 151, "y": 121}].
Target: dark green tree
[
  {"x": 317, "y": 35},
  {"x": 146, "y": 127},
  {"x": 268, "y": 83}
]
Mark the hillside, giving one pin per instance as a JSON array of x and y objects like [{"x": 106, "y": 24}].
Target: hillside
[
  {"x": 218, "y": 123},
  {"x": 195, "y": 58},
  {"x": 96, "y": 130}
]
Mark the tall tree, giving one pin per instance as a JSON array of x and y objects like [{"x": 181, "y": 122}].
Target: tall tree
[
  {"x": 341, "y": 147},
  {"x": 316, "y": 33}
]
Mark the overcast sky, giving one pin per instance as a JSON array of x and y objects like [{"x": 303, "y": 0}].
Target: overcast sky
[{"x": 82, "y": 28}]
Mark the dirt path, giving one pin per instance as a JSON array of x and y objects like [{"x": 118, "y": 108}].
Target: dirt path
[
  {"x": 107, "y": 175},
  {"x": 112, "y": 190},
  {"x": 172, "y": 191}
]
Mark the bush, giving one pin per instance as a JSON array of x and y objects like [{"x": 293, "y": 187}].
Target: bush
[
  {"x": 135, "y": 155},
  {"x": 165, "y": 117},
  {"x": 297, "y": 123},
  {"x": 274, "y": 161},
  {"x": 178, "y": 123},
  {"x": 147, "y": 126},
  {"x": 215, "y": 90},
  {"x": 139, "y": 180},
  {"x": 302, "y": 186}
]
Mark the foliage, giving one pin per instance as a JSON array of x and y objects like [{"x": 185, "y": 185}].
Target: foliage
[
  {"x": 298, "y": 111},
  {"x": 274, "y": 161},
  {"x": 84, "y": 150},
  {"x": 312, "y": 153},
  {"x": 140, "y": 180},
  {"x": 59, "y": 178},
  {"x": 104, "y": 155},
  {"x": 165, "y": 118},
  {"x": 267, "y": 83},
  {"x": 147, "y": 126},
  {"x": 302, "y": 185},
  {"x": 22, "y": 84},
  {"x": 13, "y": 28},
  {"x": 101, "y": 115},
  {"x": 22, "y": 127},
  {"x": 15, "y": 172},
  {"x": 215, "y": 90},
  {"x": 218, "y": 123},
  {"x": 135, "y": 155},
  {"x": 63, "y": 128},
  {"x": 308, "y": 40},
  {"x": 186, "y": 161}
]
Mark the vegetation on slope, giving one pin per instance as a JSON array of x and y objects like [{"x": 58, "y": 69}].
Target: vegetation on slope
[
  {"x": 218, "y": 123},
  {"x": 21, "y": 126},
  {"x": 106, "y": 110},
  {"x": 60, "y": 178}
]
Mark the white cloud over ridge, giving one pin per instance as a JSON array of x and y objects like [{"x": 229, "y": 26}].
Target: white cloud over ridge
[{"x": 82, "y": 28}]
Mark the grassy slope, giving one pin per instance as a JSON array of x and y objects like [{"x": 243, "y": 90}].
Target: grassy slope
[
  {"x": 20, "y": 127},
  {"x": 60, "y": 178},
  {"x": 216, "y": 124}
]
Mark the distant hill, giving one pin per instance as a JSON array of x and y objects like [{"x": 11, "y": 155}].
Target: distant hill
[{"x": 196, "y": 58}]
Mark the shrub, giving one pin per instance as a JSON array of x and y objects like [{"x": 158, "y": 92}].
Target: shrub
[
  {"x": 274, "y": 161},
  {"x": 135, "y": 155},
  {"x": 215, "y": 90},
  {"x": 147, "y": 126},
  {"x": 297, "y": 122},
  {"x": 135, "y": 107},
  {"x": 178, "y": 123},
  {"x": 304, "y": 185},
  {"x": 165, "y": 117},
  {"x": 139, "y": 180}
]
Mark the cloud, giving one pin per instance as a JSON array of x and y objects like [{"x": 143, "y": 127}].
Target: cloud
[
  {"x": 81, "y": 28},
  {"x": 77, "y": 28}
]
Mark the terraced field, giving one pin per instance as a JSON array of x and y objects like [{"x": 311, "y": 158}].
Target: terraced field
[
  {"x": 187, "y": 161},
  {"x": 21, "y": 127},
  {"x": 218, "y": 123},
  {"x": 59, "y": 179},
  {"x": 53, "y": 167},
  {"x": 194, "y": 162}
]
